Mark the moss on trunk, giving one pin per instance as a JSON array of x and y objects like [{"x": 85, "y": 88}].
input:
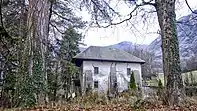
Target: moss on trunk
[{"x": 170, "y": 48}]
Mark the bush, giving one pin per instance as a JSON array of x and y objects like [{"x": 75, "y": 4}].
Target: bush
[
  {"x": 132, "y": 84},
  {"x": 191, "y": 91},
  {"x": 160, "y": 85}
]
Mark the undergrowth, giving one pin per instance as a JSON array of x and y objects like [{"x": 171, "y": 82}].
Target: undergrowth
[{"x": 127, "y": 101}]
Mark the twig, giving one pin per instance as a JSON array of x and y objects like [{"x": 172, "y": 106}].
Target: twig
[
  {"x": 56, "y": 28},
  {"x": 130, "y": 14},
  {"x": 190, "y": 7}
]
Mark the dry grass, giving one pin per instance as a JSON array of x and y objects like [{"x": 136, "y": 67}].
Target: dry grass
[{"x": 126, "y": 101}]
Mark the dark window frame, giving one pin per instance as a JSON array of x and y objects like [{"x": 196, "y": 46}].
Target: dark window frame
[
  {"x": 96, "y": 70},
  {"x": 128, "y": 71},
  {"x": 96, "y": 84}
]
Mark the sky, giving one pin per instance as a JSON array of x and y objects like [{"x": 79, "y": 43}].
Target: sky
[{"x": 137, "y": 34}]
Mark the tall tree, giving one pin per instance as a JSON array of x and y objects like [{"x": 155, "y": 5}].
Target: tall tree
[
  {"x": 170, "y": 48},
  {"x": 102, "y": 11},
  {"x": 12, "y": 24},
  {"x": 24, "y": 29},
  {"x": 69, "y": 47},
  {"x": 39, "y": 13}
]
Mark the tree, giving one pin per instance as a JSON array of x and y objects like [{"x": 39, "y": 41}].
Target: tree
[
  {"x": 165, "y": 9},
  {"x": 11, "y": 43},
  {"x": 69, "y": 45},
  {"x": 170, "y": 49},
  {"x": 38, "y": 17},
  {"x": 68, "y": 49},
  {"x": 160, "y": 85},
  {"x": 24, "y": 29}
]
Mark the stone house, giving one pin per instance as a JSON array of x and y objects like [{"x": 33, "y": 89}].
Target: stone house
[{"x": 101, "y": 67}]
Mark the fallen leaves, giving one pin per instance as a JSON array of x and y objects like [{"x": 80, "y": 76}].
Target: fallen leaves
[
  {"x": 124, "y": 102},
  {"x": 71, "y": 107}
]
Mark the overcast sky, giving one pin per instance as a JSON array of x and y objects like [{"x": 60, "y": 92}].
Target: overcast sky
[{"x": 125, "y": 32}]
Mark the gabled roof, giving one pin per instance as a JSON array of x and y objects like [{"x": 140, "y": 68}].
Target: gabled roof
[{"x": 107, "y": 54}]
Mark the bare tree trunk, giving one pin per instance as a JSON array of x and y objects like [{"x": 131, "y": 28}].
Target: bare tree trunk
[{"x": 170, "y": 48}]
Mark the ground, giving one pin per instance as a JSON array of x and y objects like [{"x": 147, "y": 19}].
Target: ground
[{"x": 125, "y": 102}]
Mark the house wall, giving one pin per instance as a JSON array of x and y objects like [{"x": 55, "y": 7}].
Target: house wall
[{"x": 104, "y": 71}]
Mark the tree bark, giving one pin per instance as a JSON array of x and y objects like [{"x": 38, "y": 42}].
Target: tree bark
[
  {"x": 170, "y": 48},
  {"x": 39, "y": 13}
]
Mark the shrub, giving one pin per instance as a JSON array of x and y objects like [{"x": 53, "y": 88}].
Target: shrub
[
  {"x": 160, "y": 85},
  {"x": 132, "y": 84}
]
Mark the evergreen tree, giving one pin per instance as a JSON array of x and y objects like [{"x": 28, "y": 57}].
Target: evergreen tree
[
  {"x": 68, "y": 49},
  {"x": 160, "y": 85},
  {"x": 132, "y": 84}
]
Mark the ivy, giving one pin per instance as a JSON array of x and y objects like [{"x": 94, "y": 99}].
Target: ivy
[{"x": 27, "y": 92}]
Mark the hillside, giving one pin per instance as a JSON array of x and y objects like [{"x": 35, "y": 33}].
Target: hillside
[
  {"x": 125, "y": 45},
  {"x": 187, "y": 36}
]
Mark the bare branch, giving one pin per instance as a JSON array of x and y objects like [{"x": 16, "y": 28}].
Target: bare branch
[
  {"x": 117, "y": 23},
  {"x": 56, "y": 28},
  {"x": 62, "y": 16},
  {"x": 190, "y": 7},
  {"x": 127, "y": 19}
]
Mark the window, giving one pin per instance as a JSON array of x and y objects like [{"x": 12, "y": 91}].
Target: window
[
  {"x": 128, "y": 71},
  {"x": 95, "y": 84},
  {"x": 96, "y": 70}
]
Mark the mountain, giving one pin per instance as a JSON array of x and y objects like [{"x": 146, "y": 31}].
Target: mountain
[
  {"x": 128, "y": 46},
  {"x": 125, "y": 45},
  {"x": 187, "y": 36}
]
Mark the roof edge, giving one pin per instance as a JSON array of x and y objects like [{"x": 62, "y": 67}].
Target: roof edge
[{"x": 107, "y": 60}]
